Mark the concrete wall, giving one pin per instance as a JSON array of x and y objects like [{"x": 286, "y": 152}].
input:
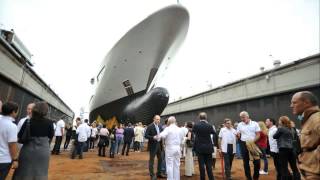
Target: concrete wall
[
  {"x": 296, "y": 75},
  {"x": 22, "y": 76}
]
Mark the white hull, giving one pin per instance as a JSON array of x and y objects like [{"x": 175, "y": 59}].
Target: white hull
[{"x": 149, "y": 45}]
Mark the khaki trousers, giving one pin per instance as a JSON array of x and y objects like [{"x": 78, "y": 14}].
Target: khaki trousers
[{"x": 309, "y": 176}]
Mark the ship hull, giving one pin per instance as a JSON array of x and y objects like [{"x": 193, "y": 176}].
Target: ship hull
[
  {"x": 127, "y": 78},
  {"x": 139, "y": 107}
]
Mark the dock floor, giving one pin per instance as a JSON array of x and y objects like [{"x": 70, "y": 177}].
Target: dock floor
[{"x": 132, "y": 167}]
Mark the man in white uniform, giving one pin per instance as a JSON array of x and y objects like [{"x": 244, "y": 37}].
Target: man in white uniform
[
  {"x": 59, "y": 131},
  {"x": 173, "y": 137},
  {"x": 227, "y": 145}
]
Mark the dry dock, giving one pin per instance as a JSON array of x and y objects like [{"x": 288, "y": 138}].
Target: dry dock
[{"x": 132, "y": 167}]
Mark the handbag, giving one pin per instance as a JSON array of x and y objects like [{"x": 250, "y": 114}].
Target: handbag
[
  {"x": 296, "y": 142},
  {"x": 112, "y": 137},
  {"x": 102, "y": 142},
  {"x": 26, "y": 134},
  {"x": 190, "y": 142}
]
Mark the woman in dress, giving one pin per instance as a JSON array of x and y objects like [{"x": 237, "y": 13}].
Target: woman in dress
[
  {"x": 189, "y": 164},
  {"x": 34, "y": 155}
]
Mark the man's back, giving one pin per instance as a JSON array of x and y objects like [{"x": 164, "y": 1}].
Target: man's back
[
  {"x": 128, "y": 134},
  {"x": 82, "y": 132},
  {"x": 59, "y": 127},
  {"x": 173, "y": 135},
  {"x": 203, "y": 142}
]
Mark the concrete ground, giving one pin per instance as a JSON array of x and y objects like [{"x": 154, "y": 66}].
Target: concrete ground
[{"x": 132, "y": 167}]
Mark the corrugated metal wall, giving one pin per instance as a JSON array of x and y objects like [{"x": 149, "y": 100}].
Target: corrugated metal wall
[
  {"x": 11, "y": 92},
  {"x": 259, "y": 109}
]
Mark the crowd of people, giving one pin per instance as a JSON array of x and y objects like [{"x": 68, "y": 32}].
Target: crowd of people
[
  {"x": 27, "y": 150},
  {"x": 287, "y": 145},
  {"x": 88, "y": 136},
  {"x": 247, "y": 139}
]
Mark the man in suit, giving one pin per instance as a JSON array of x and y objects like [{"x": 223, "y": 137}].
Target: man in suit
[
  {"x": 128, "y": 136},
  {"x": 154, "y": 146},
  {"x": 203, "y": 145}
]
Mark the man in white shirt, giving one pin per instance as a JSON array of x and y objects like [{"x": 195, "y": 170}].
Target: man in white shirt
[
  {"x": 227, "y": 145},
  {"x": 248, "y": 131},
  {"x": 173, "y": 137},
  {"x": 83, "y": 133},
  {"x": 271, "y": 124},
  {"x": 8, "y": 139},
  {"x": 59, "y": 131}
]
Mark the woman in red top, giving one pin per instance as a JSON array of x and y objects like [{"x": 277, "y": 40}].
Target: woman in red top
[{"x": 263, "y": 143}]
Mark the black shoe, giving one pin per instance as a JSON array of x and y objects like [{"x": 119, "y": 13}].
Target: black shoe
[{"x": 161, "y": 176}]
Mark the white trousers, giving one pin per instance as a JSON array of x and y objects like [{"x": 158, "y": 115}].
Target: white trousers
[{"x": 173, "y": 155}]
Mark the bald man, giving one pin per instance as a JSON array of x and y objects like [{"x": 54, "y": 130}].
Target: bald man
[
  {"x": 173, "y": 137},
  {"x": 305, "y": 104},
  {"x": 29, "y": 111},
  {"x": 21, "y": 121}
]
